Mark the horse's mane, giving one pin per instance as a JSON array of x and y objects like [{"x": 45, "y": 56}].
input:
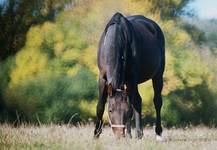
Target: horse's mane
[
  {"x": 119, "y": 20},
  {"x": 116, "y": 19}
]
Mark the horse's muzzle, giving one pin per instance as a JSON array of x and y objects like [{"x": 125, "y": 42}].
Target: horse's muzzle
[{"x": 119, "y": 132}]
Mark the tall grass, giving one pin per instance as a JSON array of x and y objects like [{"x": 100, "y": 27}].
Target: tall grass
[{"x": 81, "y": 138}]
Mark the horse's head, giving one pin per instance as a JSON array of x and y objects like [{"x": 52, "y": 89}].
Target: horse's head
[{"x": 119, "y": 110}]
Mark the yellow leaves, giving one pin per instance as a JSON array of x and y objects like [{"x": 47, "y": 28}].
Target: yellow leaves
[
  {"x": 141, "y": 7},
  {"x": 42, "y": 41},
  {"x": 88, "y": 58},
  {"x": 175, "y": 35},
  {"x": 71, "y": 55},
  {"x": 48, "y": 27},
  {"x": 58, "y": 42},
  {"x": 34, "y": 37},
  {"x": 37, "y": 34},
  {"x": 58, "y": 48},
  {"x": 29, "y": 62},
  {"x": 146, "y": 90},
  {"x": 146, "y": 93},
  {"x": 88, "y": 107},
  {"x": 171, "y": 81},
  {"x": 100, "y": 11},
  {"x": 177, "y": 2},
  {"x": 73, "y": 71},
  {"x": 181, "y": 37},
  {"x": 194, "y": 70},
  {"x": 167, "y": 26},
  {"x": 47, "y": 33},
  {"x": 85, "y": 58},
  {"x": 53, "y": 36}
]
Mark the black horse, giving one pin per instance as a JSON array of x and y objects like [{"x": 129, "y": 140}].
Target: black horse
[{"x": 131, "y": 51}]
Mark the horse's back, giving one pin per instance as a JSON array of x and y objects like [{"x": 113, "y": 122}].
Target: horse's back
[
  {"x": 150, "y": 25},
  {"x": 149, "y": 46},
  {"x": 147, "y": 28}
]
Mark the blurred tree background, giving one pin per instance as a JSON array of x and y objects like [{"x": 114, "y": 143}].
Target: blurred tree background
[{"x": 48, "y": 70}]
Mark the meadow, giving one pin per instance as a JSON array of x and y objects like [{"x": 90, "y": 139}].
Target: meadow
[{"x": 55, "y": 137}]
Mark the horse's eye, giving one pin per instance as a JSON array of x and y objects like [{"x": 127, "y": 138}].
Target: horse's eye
[{"x": 110, "y": 110}]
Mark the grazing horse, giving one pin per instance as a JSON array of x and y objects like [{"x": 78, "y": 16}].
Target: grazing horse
[{"x": 131, "y": 51}]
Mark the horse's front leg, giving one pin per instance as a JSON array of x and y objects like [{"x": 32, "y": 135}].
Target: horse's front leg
[
  {"x": 137, "y": 105},
  {"x": 128, "y": 127},
  {"x": 128, "y": 124},
  {"x": 100, "y": 106}
]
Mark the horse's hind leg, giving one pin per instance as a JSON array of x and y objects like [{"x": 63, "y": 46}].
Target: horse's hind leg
[
  {"x": 100, "y": 106},
  {"x": 158, "y": 85}
]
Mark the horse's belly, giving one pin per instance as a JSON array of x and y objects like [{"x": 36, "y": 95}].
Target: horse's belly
[{"x": 148, "y": 67}]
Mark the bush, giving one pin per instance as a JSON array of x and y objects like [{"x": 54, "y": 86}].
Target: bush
[
  {"x": 52, "y": 99},
  {"x": 191, "y": 105},
  {"x": 6, "y": 68}
]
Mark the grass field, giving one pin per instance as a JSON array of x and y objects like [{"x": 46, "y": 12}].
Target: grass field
[{"x": 76, "y": 138}]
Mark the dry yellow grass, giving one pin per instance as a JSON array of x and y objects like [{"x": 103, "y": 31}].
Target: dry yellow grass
[{"x": 64, "y": 137}]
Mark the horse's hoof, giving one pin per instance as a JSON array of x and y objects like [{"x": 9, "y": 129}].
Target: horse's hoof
[
  {"x": 139, "y": 135},
  {"x": 159, "y": 138},
  {"x": 97, "y": 134}
]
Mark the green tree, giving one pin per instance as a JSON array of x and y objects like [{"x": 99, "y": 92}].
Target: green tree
[{"x": 17, "y": 16}]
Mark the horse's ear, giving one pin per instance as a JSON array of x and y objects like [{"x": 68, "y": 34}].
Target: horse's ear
[{"x": 110, "y": 89}]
